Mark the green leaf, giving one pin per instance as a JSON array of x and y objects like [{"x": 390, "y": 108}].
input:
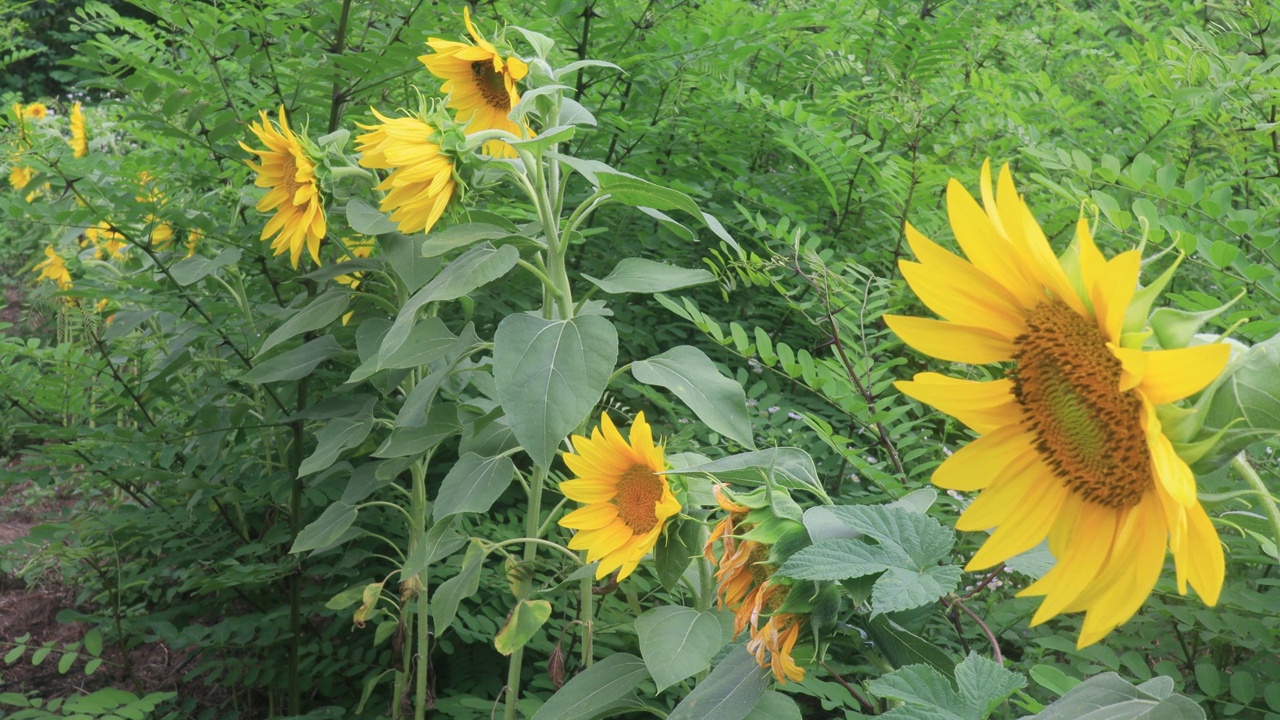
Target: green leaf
[
  {"x": 678, "y": 544},
  {"x": 367, "y": 219},
  {"x": 594, "y": 689},
  {"x": 543, "y": 141},
  {"x": 403, "y": 257},
  {"x": 294, "y": 364},
  {"x": 1244, "y": 403},
  {"x": 773, "y": 705},
  {"x": 441, "y": 541},
  {"x": 93, "y": 642},
  {"x": 459, "y": 236},
  {"x": 445, "y": 599},
  {"x": 549, "y": 374},
  {"x": 717, "y": 400},
  {"x": 1108, "y": 697},
  {"x": 788, "y": 467},
  {"x": 428, "y": 341},
  {"x": 730, "y": 692},
  {"x": 923, "y": 538},
  {"x": 478, "y": 266},
  {"x": 637, "y": 275},
  {"x": 985, "y": 684},
  {"x": 66, "y": 661},
  {"x": 197, "y": 267},
  {"x": 473, "y": 484},
  {"x": 922, "y": 688},
  {"x": 325, "y": 529},
  {"x": 322, "y": 311},
  {"x": 336, "y": 436},
  {"x": 442, "y": 422},
  {"x": 630, "y": 190},
  {"x": 525, "y": 621},
  {"x": 903, "y": 589},
  {"x": 843, "y": 559},
  {"x": 346, "y": 598},
  {"x": 677, "y": 642},
  {"x": 903, "y": 647}
]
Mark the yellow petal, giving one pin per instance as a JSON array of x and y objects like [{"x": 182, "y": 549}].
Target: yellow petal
[
  {"x": 1170, "y": 470},
  {"x": 1113, "y": 291},
  {"x": 1142, "y": 545},
  {"x": 983, "y": 406},
  {"x": 1175, "y": 374},
  {"x": 949, "y": 341},
  {"x": 1024, "y": 530},
  {"x": 1002, "y": 498},
  {"x": 1201, "y": 556},
  {"x": 588, "y": 491},
  {"x": 985, "y": 246},
  {"x": 1077, "y": 569},
  {"x": 975, "y": 466},
  {"x": 590, "y": 517}
]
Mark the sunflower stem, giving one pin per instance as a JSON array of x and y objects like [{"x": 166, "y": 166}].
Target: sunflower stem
[
  {"x": 1241, "y": 465},
  {"x": 532, "y": 521},
  {"x": 418, "y": 522}
]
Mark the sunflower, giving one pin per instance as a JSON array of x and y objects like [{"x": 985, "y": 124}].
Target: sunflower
[
  {"x": 628, "y": 499},
  {"x": 20, "y": 177},
  {"x": 1071, "y": 446},
  {"x": 79, "y": 135},
  {"x": 35, "y": 111},
  {"x": 421, "y": 181},
  {"x": 290, "y": 173},
  {"x": 361, "y": 247},
  {"x": 480, "y": 84},
  {"x": 109, "y": 243},
  {"x": 161, "y": 232},
  {"x": 54, "y": 268},
  {"x": 772, "y": 645}
]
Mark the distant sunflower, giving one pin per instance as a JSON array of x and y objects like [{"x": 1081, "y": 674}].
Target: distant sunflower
[
  {"x": 480, "y": 84},
  {"x": 54, "y": 268},
  {"x": 79, "y": 134},
  {"x": 628, "y": 499},
  {"x": 20, "y": 177},
  {"x": 421, "y": 181},
  {"x": 1071, "y": 446},
  {"x": 290, "y": 174},
  {"x": 35, "y": 111}
]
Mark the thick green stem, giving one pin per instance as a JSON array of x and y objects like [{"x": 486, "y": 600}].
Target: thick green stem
[
  {"x": 295, "y": 580},
  {"x": 532, "y": 522},
  {"x": 587, "y": 604},
  {"x": 1242, "y": 466},
  {"x": 423, "y": 643}
]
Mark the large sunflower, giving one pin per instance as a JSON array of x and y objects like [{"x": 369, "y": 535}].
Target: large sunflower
[
  {"x": 1071, "y": 446},
  {"x": 79, "y": 134},
  {"x": 421, "y": 181},
  {"x": 481, "y": 85},
  {"x": 628, "y": 499},
  {"x": 290, "y": 173}
]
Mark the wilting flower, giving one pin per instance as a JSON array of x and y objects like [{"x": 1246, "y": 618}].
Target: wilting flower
[
  {"x": 1071, "y": 446},
  {"x": 627, "y": 498},
  {"x": 480, "y": 84},
  {"x": 290, "y": 174},
  {"x": 53, "y": 268},
  {"x": 745, "y": 586},
  {"x": 79, "y": 135},
  {"x": 20, "y": 177},
  {"x": 421, "y": 181}
]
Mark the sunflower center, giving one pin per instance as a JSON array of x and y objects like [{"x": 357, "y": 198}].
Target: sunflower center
[
  {"x": 639, "y": 490},
  {"x": 1087, "y": 430},
  {"x": 491, "y": 85},
  {"x": 289, "y": 168}
]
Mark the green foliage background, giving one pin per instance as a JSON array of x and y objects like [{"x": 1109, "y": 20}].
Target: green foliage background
[{"x": 812, "y": 130}]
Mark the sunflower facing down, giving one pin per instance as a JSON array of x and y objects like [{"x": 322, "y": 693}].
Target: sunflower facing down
[
  {"x": 627, "y": 498},
  {"x": 481, "y": 85},
  {"x": 79, "y": 134},
  {"x": 290, "y": 174},
  {"x": 421, "y": 181},
  {"x": 1071, "y": 447}
]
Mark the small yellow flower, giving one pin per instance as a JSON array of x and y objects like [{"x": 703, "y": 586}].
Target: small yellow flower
[
  {"x": 421, "y": 181},
  {"x": 161, "y": 232},
  {"x": 359, "y": 248},
  {"x": 1070, "y": 445},
  {"x": 480, "y": 84},
  {"x": 290, "y": 173},
  {"x": 35, "y": 111},
  {"x": 193, "y": 241},
  {"x": 109, "y": 243},
  {"x": 20, "y": 177},
  {"x": 79, "y": 134},
  {"x": 53, "y": 268},
  {"x": 627, "y": 498}
]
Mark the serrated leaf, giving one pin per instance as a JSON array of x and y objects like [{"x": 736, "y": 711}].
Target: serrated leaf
[
  {"x": 717, "y": 400},
  {"x": 923, "y": 538},
  {"x": 1109, "y": 697},
  {"x": 594, "y": 689},
  {"x": 473, "y": 484},
  {"x": 985, "y": 684},
  {"x": 293, "y": 364},
  {"x": 445, "y": 599},
  {"x": 549, "y": 374},
  {"x": 677, "y": 642},
  {"x": 903, "y": 647},
  {"x": 904, "y": 589},
  {"x": 843, "y": 559},
  {"x": 637, "y": 275}
]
